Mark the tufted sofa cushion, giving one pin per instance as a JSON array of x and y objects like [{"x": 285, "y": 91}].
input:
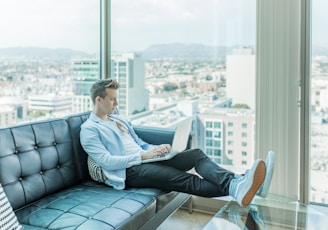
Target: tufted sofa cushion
[
  {"x": 74, "y": 123},
  {"x": 89, "y": 206},
  {"x": 36, "y": 160}
]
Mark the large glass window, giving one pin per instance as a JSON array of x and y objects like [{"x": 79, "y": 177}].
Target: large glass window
[
  {"x": 194, "y": 59},
  {"x": 319, "y": 103},
  {"x": 49, "y": 54}
]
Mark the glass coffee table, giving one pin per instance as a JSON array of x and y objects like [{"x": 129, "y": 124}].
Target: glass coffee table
[{"x": 273, "y": 212}]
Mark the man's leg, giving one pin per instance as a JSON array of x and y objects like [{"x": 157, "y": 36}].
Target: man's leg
[
  {"x": 204, "y": 166},
  {"x": 217, "y": 181},
  {"x": 242, "y": 189},
  {"x": 158, "y": 175}
]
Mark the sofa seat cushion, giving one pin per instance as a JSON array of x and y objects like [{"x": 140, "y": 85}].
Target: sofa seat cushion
[
  {"x": 162, "y": 197},
  {"x": 89, "y": 206}
]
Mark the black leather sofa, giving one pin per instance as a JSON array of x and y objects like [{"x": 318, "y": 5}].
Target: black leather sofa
[{"x": 44, "y": 173}]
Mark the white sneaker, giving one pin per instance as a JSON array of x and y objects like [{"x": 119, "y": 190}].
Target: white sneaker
[{"x": 244, "y": 188}]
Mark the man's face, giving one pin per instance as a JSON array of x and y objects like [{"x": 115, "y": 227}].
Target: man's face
[{"x": 109, "y": 102}]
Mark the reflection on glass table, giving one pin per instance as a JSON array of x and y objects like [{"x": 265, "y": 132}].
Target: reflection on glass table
[{"x": 273, "y": 212}]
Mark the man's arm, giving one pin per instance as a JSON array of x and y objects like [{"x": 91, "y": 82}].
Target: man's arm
[{"x": 110, "y": 160}]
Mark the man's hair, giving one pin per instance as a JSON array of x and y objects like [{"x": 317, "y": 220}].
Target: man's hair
[{"x": 99, "y": 88}]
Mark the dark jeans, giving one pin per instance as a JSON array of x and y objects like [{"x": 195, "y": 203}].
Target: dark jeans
[{"x": 171, "y": 175}]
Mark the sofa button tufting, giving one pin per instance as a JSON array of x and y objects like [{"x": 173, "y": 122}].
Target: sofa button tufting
[
  {"x": 20, "y": 179},
  {"x": 16, "y": 151},
  {"x": 41, "y": 172},
  {"x": 55, "y": 143},
  {"x": 58, "y": 166},
  {"x": 36, "y": 147}
]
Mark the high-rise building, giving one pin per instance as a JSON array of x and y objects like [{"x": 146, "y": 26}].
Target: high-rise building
[
  {"x": 240, "y": 77},
  {"x": 128, "y": 69},
  {"x": 84, "y": 73},
  {"x": 227, "y": 136}
]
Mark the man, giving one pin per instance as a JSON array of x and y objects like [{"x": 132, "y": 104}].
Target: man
[{"x": 112, "y": 143}]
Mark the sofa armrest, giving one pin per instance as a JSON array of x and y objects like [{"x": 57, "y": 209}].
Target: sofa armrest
[{"x": 157, "y": 136}]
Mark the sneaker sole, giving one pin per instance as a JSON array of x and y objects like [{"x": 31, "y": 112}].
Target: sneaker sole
[
  {"x": 269, "y": 162},
  {"x": 259, "y": 176}
]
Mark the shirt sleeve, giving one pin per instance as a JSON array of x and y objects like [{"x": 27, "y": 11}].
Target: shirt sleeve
[{"x": 95, "y": 146}]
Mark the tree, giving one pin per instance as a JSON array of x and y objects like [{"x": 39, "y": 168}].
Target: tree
[
  {"x": 169, "y": 87},
  {"x": 240, "y": 106}
]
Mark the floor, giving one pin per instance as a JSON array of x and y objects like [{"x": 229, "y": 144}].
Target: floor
[{"x": 183, "y": 220}]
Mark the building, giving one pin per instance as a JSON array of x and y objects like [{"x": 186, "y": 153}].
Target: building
[
  {"x": 240, "y": 77},
  {"x": 8, "y": 116},
  {"x": 129, "y": 70},
  {"x": 84, "y": 73},
  {"x": 12, "y": 110},
  {"x": 50, "y": 103},
  {"x": 227, "y": 136}
]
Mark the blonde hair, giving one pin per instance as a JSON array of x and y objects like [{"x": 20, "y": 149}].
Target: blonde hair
[{"x": 99, "y": 88}]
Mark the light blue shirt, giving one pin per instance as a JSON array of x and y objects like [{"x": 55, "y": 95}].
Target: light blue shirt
[{"x": 102, "y": 142}]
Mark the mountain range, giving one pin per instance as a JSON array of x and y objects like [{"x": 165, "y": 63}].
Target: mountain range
[{"x": 173, "y": 51}]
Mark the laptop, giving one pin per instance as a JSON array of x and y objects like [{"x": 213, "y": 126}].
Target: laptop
[{"x": 179, "y": 143}]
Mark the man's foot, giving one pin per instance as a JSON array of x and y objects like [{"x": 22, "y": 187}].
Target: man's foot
[
  {"x": 269, "y": 163},
  {"x": 244, "y": 188}
]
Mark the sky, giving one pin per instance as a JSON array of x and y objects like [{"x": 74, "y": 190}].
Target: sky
[
  {"x": 137, "y": 24},
  {"x": 208, "y": 22},
  {"x": 50, "y": 24}
]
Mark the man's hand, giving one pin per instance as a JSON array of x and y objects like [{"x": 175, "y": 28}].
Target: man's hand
[{"x": 157, "y": 151}]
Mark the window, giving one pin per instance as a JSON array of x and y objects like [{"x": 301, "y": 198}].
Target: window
[
  {"x": 217, "y": 144},
  {"x": 49, "y": 55},
  {"x": 217, "y": 152},
  {"x": 209, "y": 152},
  {"x": 209, "y": 124},
  {"x": 217, "y": 125},
  {"x": 209, "y": 142},
  {"x": 217, "y": 134},
  {"x": 190, "y": 50},
  {"x": 209, "y": 134},
  {"x": 319, "y": 112}
]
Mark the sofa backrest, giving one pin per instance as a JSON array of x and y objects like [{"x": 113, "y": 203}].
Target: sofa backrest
[
  {"x": 74, "y": 122},
  {"x": 36, "y": 159}
]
